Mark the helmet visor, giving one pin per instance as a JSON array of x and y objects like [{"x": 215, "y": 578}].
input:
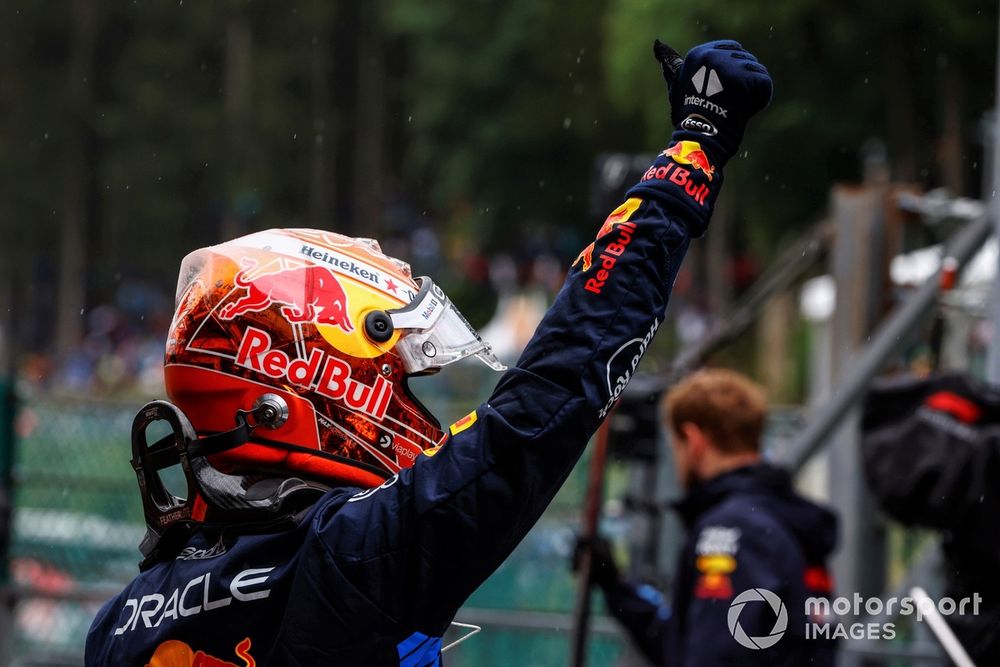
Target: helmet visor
[{"x": 435, "y": 333}]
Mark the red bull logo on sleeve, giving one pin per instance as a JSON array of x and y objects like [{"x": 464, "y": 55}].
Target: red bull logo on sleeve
[
  {"x": 618, "y": 217},
  {"x": 306, "y": 293},
  {"x": 690, "y": 152},
  {"x": 684, "y": 153}
]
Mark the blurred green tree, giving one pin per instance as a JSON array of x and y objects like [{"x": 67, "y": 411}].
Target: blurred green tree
[
  {"x": 917, "y": 76},
  {"x": 505, "y": 107},
  {"x": 134, "y": 132}
]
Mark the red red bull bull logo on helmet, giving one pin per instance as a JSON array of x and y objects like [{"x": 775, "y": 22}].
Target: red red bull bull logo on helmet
[
  {"x": 306, "y": 294},
  {"x": 328, "y": 375}
]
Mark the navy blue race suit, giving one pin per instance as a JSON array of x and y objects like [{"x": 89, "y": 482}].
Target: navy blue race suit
[
  {"x": 747, "y": 529},
  {"x": 373, "y": 577}
]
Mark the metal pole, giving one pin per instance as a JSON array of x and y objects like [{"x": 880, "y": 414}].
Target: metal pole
[
  {"x": 945, "y": 635},
  {"x": 7, "y": 601},
  {"x": 591, "y": 517},
  {"x": 993, "y": 360},
  {"x": 887, "y": 339},
  {"x": 790, "y": 266}
]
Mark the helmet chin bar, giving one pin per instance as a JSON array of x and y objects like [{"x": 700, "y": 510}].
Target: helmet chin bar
[{"x": 171, "y": 519}]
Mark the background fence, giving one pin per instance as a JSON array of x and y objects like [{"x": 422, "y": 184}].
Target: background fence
[{"x": 77, "y": 523}]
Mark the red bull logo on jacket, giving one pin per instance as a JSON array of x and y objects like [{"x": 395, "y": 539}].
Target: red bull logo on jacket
[
  {"x": 306, "y": 293},
  {"x": 328, "y": 375},
  {"x": 174, "y": 653}
]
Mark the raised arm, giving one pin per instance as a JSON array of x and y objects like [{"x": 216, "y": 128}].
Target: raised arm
[{"x": 417, "y": 547}]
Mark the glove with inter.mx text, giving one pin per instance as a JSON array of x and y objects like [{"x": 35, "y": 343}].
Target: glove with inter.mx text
[{"x": 713, "y": 92}]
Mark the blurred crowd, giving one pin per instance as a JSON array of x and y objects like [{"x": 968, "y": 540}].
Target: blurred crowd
[
  {"x": 502, "y": 293},
  {"x": 121, "y": 352}
]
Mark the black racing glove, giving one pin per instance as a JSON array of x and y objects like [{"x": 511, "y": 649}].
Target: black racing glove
[
  {"x": 603, "y": 570},
  {"x": 713, "y": 92}
]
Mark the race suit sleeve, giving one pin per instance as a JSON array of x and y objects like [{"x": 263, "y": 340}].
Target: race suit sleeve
[
  {"x": 644, "y": 614},
  {"x": 418, "y": 546}
]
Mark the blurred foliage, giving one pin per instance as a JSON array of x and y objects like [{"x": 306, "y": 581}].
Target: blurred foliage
[
  {"x": 909, "y": 74},
  {"x": 151, "y": 128}
]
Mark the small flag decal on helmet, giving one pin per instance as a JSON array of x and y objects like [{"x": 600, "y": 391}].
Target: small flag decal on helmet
[{"x": 463, "y": 423}]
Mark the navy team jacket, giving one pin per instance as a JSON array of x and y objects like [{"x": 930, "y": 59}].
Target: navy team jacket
[
  {"x": 747, "y": 530},
  {"x": 374, "y": 577}
]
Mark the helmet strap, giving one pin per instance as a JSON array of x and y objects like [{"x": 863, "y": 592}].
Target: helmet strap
[{"x": 171, "y": 519}]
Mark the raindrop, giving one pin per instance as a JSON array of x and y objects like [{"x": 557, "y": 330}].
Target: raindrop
[{"x": 567, "y": 121}]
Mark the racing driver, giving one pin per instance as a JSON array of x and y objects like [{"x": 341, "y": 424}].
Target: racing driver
[{"x": 329, "y": 520}]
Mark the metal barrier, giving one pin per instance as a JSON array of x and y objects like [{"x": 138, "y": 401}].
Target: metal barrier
[{"x": 75, "y": 523}]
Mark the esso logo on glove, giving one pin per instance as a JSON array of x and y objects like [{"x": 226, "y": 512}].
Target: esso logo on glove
[{"x": 700, "y": 124}]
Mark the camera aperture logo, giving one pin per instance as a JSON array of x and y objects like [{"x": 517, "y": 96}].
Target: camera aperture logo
[{"x": 756, "y": 596}]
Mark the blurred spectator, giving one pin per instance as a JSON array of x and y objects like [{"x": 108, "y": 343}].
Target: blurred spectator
[{"x": 748, "y": 530}]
